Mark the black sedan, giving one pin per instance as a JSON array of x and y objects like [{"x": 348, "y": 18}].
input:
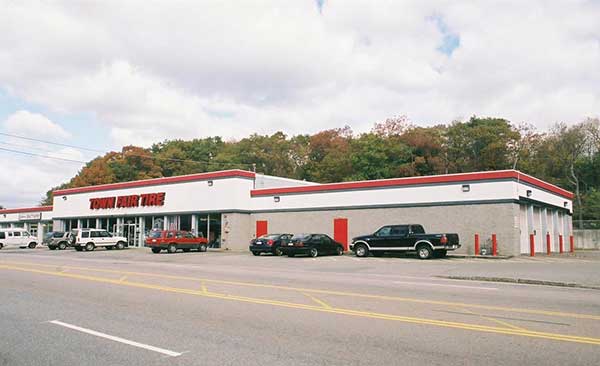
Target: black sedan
[
  {"x": 312, "y": 245},
  {"x": 269, "y": 243}
]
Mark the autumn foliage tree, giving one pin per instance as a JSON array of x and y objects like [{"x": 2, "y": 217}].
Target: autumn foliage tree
[{"x": 566, "y": 155}]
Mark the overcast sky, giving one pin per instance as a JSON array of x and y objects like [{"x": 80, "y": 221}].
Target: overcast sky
[{"x": 104, "y": 74}]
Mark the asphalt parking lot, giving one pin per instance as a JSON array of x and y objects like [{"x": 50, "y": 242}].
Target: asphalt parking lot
[{"x": 133, "y": 307}]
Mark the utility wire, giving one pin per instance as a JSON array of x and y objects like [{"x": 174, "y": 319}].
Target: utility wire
[
  {"x": 50, "y": 142},
  {"x": 129, "y": 154},
  {"x": 42, "y": 156}
]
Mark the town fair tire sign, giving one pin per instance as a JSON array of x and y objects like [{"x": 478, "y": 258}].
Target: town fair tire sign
[{"x": 134, "y": 200}]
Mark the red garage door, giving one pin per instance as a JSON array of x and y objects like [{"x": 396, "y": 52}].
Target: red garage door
[
  {"x": 340, "y": 231},
  {"x": 262, "y": 227}
]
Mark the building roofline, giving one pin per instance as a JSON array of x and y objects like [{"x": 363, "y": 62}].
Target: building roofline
[
  {"x": 25, "y": 209},
  {"x": 235, "y": 173},
  {"x": 415, "y": 181}
]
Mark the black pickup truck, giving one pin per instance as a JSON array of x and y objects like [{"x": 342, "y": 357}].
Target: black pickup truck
[{"x": 404, "y": 238}]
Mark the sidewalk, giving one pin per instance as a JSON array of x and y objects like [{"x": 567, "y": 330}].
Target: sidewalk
[{"x": 579, "y": 269}]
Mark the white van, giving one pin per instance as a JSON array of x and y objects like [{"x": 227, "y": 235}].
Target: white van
[{"x": 17, "y": 238}]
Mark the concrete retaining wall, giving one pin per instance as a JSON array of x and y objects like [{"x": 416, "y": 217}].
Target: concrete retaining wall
[{"x": 587, "y": 239}]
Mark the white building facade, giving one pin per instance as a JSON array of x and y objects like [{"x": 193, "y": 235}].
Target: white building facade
[
  {"x": 231, "y": 207},
  {"x": 36, "y": 220}
]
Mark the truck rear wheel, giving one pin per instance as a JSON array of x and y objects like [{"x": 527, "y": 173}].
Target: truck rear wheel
[
  {"x": 424, "y": 251},
  {"x": 62, "y": 246},
  {"x": 202, "y": 248},
  {"x": 171, "y": 248}
]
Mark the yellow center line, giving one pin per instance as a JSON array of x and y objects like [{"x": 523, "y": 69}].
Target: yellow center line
[
  {"x": 348, "y": 312},
  {"x": 492, "y": 319},
  {"x": 330, "y": 292},
  {"x": 123, "y": 278},
  {"x": 320, "y": 302}
]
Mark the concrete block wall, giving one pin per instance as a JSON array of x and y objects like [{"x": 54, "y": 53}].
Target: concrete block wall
[
  {"x": 587, "y": 239},
  {"x": 466, "y": 220}
]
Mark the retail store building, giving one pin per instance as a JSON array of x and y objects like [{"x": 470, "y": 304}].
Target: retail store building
[
  {"x": 36, "y": 220},
  {"x": 231, "y": 207}
]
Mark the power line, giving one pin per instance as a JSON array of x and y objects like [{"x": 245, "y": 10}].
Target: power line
[
  {"x": 50, "y": 142},
  {"x": 42, "y": 156},
  {"x": 129, "y": 154}
]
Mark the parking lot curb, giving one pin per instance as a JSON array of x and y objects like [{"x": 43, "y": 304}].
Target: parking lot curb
[
  {"x": 480, "y": 256},
  {"x": 520, "y": 281}
]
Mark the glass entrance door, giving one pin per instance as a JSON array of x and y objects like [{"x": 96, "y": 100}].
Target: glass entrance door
[
  {"x": 130, "y": 229},
  {"x": 209, "y": 226}
]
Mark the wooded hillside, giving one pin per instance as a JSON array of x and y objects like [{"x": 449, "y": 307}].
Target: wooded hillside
[{"x": 566, "y": 156}]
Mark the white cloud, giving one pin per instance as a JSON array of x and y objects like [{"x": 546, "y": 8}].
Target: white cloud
[
  {"x": 26, "y": 178},
  {"x": 25, "y": 123},
  {"x": 155, "y": 70}
]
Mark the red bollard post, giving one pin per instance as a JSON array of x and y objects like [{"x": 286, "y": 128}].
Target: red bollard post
[
  {"x": 548, "y": 247},
  {"x": 477, "y": 249},
  {"x": 494, "y": 245},
  {"x": 531, "y": 245},
  {"x": 572, "y": 243},
  {"x": 561, "y": 246}
]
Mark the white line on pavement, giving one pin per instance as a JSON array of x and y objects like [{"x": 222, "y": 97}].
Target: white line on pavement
[
  {"x": 117, "y": 339},
  {"x": 445, "y": 285}
]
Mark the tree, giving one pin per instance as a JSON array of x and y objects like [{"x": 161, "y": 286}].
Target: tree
[
  {"x": 394, "y": 126},
  {"x": 428, "y": 149},
  {"x": 329, "y": 156},
  {"x": 481, "y": 144},
  {"x": 375, "y": 158}
]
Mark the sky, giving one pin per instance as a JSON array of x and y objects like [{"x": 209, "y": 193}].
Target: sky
[{"x": 104, "y": 74}]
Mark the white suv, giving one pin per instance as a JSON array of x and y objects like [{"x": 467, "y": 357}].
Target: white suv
[
  {"x": 89, "y": 239},
  {"x": 17, "y": 238}
]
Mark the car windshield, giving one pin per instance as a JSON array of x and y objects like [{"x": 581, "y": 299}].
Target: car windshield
[
  {"x": 58, "y": 234},
  {"x": 155, "y": 234}
]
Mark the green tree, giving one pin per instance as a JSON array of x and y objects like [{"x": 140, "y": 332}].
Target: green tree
[
  {"x": 481, "y": 144},
  {"x": 374, "y": 157}
]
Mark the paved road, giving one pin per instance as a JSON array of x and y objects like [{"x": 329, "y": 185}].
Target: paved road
[{"x": 136, "y": 308}]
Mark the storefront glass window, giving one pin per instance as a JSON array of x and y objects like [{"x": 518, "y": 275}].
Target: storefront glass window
[
  {"x": 172, "y": 222},
  {"x": 185, "y": 222},
  {"x": 209, "y": 226},
  {"x": 112, "y": 225}
]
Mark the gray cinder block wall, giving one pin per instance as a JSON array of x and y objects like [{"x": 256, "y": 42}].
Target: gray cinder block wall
[{"x": 466, "y": 220}]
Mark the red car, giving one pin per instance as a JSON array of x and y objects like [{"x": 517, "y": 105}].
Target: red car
[{"x": 172, "y": 240}]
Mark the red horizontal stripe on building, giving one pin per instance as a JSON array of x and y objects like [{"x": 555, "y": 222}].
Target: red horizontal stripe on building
[
  {"x": 26, "y": 209},
  {"x": 158, "y": 181}
]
